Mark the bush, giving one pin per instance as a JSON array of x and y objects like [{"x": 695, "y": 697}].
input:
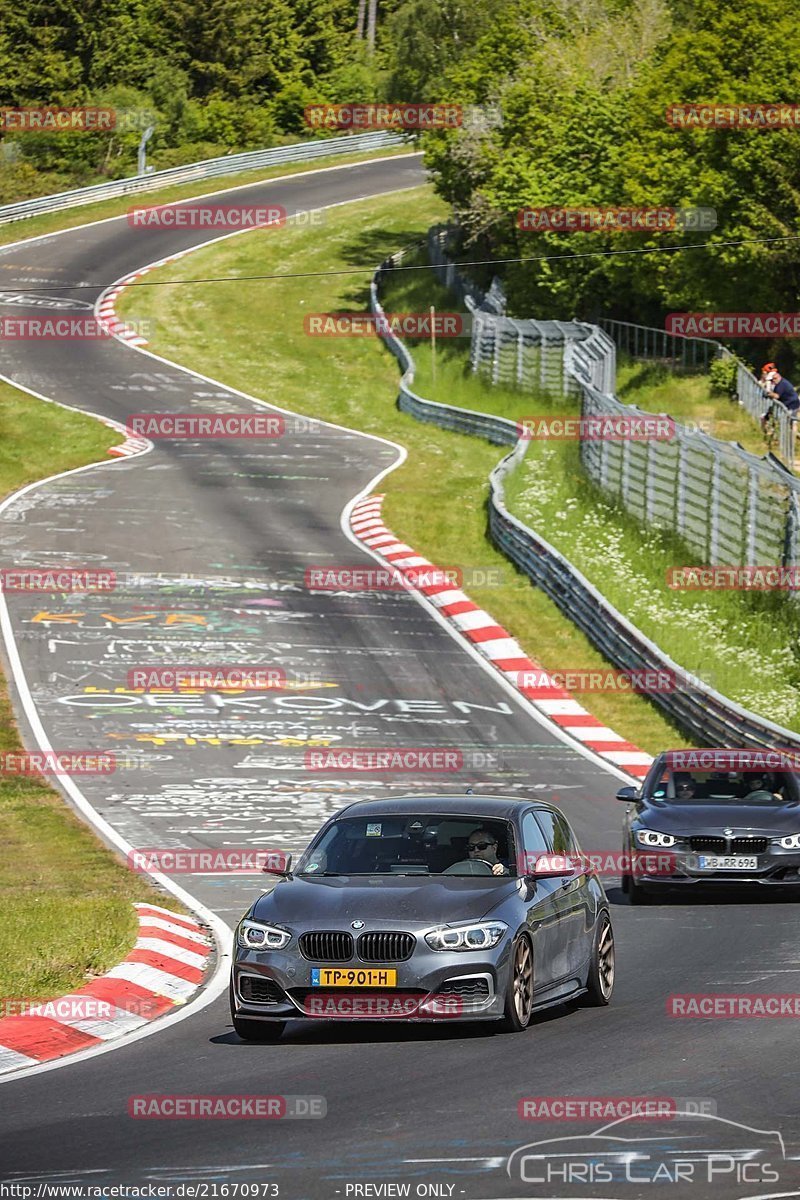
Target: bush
[{"x": 722, "y": 377}]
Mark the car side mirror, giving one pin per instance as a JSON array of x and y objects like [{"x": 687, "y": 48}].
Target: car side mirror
[
  {"x": 551, "y": 866},
  {"x": 628, "y": 793},
  {"x": 277, "y": 864}
]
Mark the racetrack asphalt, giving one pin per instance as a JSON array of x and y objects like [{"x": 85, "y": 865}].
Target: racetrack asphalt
[{"x": 211, "y": 541}]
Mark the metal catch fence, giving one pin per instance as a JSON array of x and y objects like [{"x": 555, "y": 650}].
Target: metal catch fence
[{"x": 729, "y": 506}]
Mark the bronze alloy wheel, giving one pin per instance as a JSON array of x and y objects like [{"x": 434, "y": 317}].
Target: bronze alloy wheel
[
  {"x": 600, "y": 980},
  {"x": 519, "y": 993},
  {"x": 523, "y": 981},
  {"x": 606, "y": 958}
]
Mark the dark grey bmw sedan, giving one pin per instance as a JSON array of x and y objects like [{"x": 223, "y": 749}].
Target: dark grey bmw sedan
[{"x": 477, "y": 908}]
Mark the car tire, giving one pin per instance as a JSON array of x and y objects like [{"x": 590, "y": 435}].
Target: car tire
[
  {"x": 600, "y": 980},
  {"x": 519, "y": 990}
]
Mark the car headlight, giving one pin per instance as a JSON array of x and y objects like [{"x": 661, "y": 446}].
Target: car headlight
[
  {"x": 481, "y": 936},
  {"x": 255, "y": 935},
  {"x": 790, "y": 842},
  {"x": 651, "y": 837}
]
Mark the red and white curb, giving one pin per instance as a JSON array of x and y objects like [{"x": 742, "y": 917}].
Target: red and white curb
[
  {"x": 165, "y": 968},
  {"x": 106, "y": 307},
  {"x": 108, "y": 318},
  {"x": 497, "y": 644},
  {"x": 131, "y": 446}
]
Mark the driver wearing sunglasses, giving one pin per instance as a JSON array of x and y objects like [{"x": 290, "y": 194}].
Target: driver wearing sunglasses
[{"x": 483, "y": 844}]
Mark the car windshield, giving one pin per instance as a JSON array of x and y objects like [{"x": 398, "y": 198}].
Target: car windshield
[
  {"x": 723, "y": 787},
  {"x": 423, "y": 844}
]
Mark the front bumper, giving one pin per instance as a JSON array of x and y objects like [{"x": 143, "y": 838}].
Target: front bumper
[
  {"x": 433, "y": 985},
  {"x": 775, "y": 868}
]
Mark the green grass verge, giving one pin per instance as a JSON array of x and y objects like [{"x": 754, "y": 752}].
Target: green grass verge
[
  {"x": 250, "y": 335},
  {"x": 52, "y": 222},
  {"x": 65, "y": 899},
  {"x": 688, "y": 398},
  {"x": 744, "y": 643}
]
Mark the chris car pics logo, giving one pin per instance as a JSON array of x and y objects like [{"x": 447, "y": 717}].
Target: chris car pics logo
[{"x": 692, "y": 1146}]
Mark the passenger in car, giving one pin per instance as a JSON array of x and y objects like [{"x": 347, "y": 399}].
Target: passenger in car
[{"x": 759, "y": 790}]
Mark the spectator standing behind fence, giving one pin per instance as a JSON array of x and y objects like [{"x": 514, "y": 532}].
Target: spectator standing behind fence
[{"x": 777, "y": 388}]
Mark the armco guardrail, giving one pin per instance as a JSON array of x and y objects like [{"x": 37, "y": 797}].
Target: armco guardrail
[
  {"x": 210, "y": 168},
  {"x": 448, "y": 416},
  {"x": 710, "y": 717}
]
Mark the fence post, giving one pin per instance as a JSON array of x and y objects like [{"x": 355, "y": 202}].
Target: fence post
[
  {"x": 496, "y": 349},
  {"x": 752, "y": 517},
  {"x": 649, "y": 483},
  {"x": 680, "y": 490},
  {"x": 479, "y": 334},
  {"x": 713, "y": 533},
  {"x": 625, "y": 477}
]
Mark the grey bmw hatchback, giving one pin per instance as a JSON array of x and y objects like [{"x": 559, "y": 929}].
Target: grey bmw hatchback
[{"x": 474, "y": 908}]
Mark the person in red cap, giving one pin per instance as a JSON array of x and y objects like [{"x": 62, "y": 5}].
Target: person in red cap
[{"x": 776, "y": 388}]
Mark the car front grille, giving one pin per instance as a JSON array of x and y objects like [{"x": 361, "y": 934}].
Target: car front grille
[
  {"x": 384, "y": 947},
  {"x": 714, "y": 845},
  {"x": 474, "y": 989},
  {"x": 721, "y": 845},
  {"x": 750, "y": 845},
  {"x": 326, "y": 945},
  {"x": 260, "y": 991}
]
